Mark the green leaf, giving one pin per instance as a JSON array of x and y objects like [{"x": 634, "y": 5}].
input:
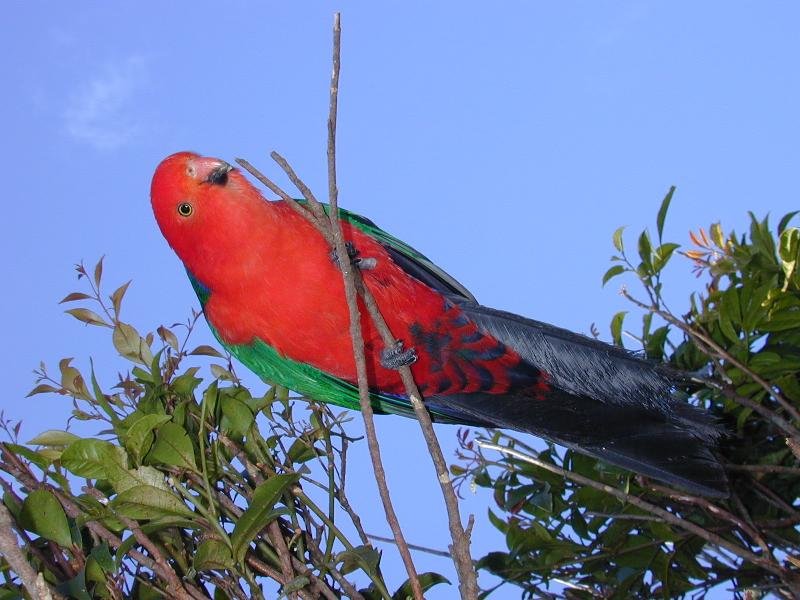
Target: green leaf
[
  {"x": 646, "y": 252},
  {"x": 259, "y": 513},
  {"x": 54, "y": 437},
  {"x": 616, "y": 327},
  {"x": 613, "y": 272},
  {"x": 75, "y": 588},
  {"x": 139, "y": 437},
  {"x": 42, "y": 514},
  {"x": 237, "y": 416},
  {"x": 782, "y": 321},
  {"x": 617, "y": 239},
  {"x": 173, "y": 447},
  {"x": 149, "y": 502},
  {"x": 40, "y": 459},
  {"x": 301, "y": 451},
  {"x": 212, "y": 554},
  {"x": 785, "y": 220},
  {"x": 662, "y": 212},
  {"x": 366, "y": 558},
  {"x": 662, "y": 255},
  {"x": 426, "y": 580},
  {"x": 87, "y": 458},
  {"x": 789, "y": 253},
  {"x": 131, "y": 345},
  {"x": 185, "y": 384}
]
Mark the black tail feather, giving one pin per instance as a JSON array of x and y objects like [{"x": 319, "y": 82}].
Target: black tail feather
[{"x": 603, "y": 402}]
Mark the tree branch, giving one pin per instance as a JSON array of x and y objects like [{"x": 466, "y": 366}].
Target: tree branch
[{"x": 33, "y": 583}]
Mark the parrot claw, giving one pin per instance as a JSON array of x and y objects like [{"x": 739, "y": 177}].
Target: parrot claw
[
  {"x": 365, "y": 264},
  {"x": 396, "y": 356}
]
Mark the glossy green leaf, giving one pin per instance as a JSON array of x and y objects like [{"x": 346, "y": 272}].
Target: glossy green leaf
[
  {"x": 139, "y": 437},
  {"x": 42, "y": 514},
  {"x": 662, "y": 212},
  {"x": 260, "y": 512},
  {"x": 662, "y": 255},
  {"x": 366, "y": 558},
  {"x": 87, "y": 458},
  {"x": 149, "y": 502},
  {"x": 301, "y": 451},
  {"x": 426, "y": 581},
  {"x": 646, "y": 251},
  {"x": 784, "y": 222},
  {"x": 173, "y": 447},
  {"x": 186, "y": 383},
  {"x": 613, "y": 272},
  {"x": 54, "y": 437},
  {"x": 616, "y": 327},
  {"x": 212, "y": 554},
  {"x": 237, "y": 416}
]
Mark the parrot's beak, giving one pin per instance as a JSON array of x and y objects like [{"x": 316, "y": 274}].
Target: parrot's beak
[{"x": 219, "y": 174}]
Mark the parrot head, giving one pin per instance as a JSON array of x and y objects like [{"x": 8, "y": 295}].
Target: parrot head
[{"x": 202, "y": 205}]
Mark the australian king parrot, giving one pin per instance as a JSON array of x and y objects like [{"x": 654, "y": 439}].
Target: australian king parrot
[{"x": 272, "y": 293}]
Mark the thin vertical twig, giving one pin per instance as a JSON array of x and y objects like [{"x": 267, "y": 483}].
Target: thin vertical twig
[{"x": 355, "y": 321}]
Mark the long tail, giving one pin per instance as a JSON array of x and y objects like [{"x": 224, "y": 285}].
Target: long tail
[{"x": 602, "y": 401}]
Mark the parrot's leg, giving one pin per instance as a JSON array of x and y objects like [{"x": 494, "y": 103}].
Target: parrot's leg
[
  {"x": 353, "y": 253},
  {"x": 396, "y": 356}
]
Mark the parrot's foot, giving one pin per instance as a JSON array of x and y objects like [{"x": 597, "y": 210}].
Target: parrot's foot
[
  {"x": 396, "y": 356},
  {"x": 353, "y": 254}
]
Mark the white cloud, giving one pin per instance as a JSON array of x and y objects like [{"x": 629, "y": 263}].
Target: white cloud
[{"x": 100, "y": 112}]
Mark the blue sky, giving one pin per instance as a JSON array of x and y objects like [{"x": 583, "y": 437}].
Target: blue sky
[{"x": 505, "y": 140}]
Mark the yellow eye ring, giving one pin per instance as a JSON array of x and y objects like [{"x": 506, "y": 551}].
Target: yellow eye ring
[{"x": 185, "y": 209}]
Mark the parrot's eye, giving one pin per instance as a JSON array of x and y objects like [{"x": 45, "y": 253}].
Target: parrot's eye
[
  {"x": 185, "y": 209},
  {"x": 190, "y": 171}
]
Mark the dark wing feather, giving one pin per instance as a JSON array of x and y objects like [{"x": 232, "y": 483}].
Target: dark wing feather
[{"x": 603, "y": 401}]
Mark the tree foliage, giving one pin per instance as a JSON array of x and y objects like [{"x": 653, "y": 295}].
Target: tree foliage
[
  {"x": 190, "y": 488},
  {"x": 194, "y": 487},
  {"x": 738, "y": 350}
]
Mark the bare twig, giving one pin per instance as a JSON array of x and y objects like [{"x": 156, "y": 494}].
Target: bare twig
[
  {"x": 356, "y": 335},
  {"x": 425, "y": 549}
]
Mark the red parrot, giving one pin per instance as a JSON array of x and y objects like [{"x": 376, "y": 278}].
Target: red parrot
[{"x": 272, "y": 293}]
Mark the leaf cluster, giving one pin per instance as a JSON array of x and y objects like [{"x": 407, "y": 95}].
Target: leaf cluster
[
  {"x": 737, "y": 353},
  {"x": 193, "y": 487}
]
